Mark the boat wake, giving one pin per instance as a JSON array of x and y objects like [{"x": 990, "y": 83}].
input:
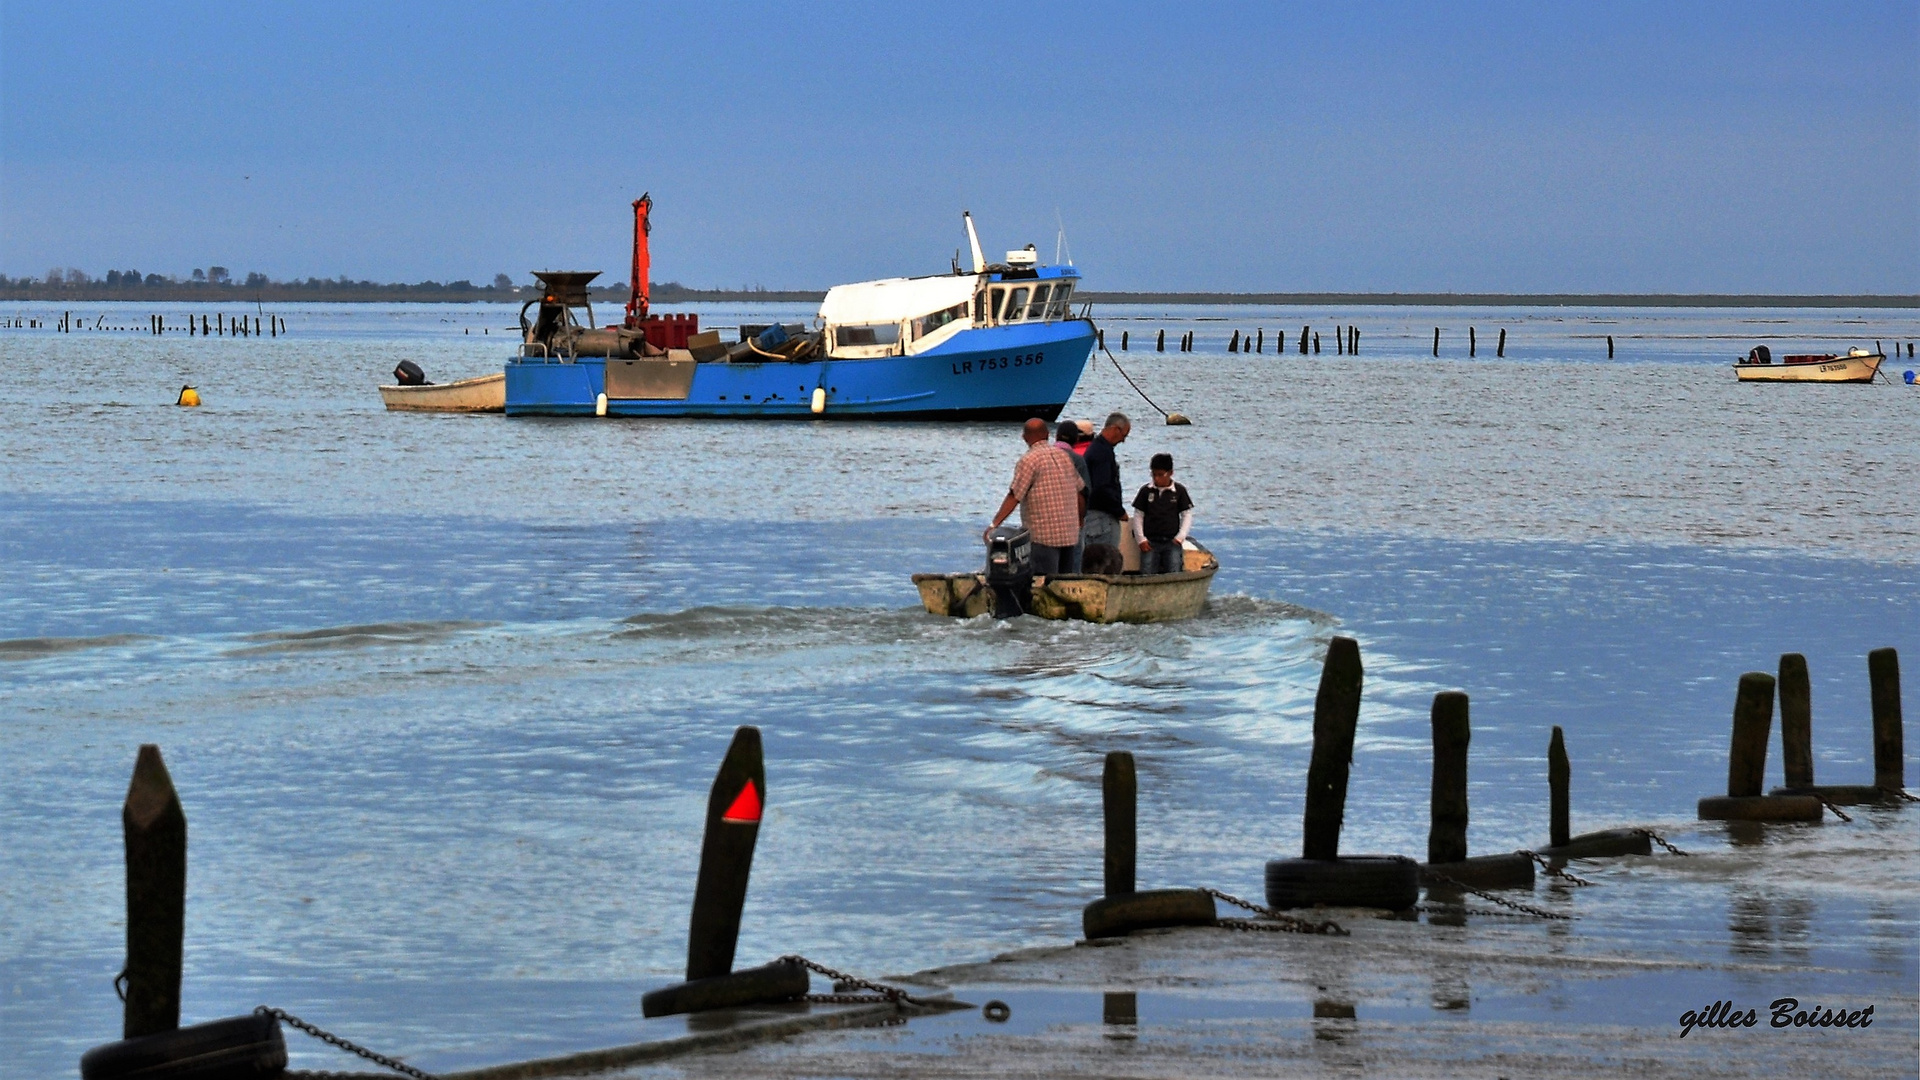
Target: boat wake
[
  {"x": 34, "y": 648},
  {"x": 362, "y": 636}
]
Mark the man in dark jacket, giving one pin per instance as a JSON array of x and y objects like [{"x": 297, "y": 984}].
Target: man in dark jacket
[{"x": 1105, "y": 508}]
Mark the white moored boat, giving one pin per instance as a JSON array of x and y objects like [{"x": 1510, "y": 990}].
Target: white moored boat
[
  {"x": 488, "y": 393},
  {"x": 1857, "y": 366}
]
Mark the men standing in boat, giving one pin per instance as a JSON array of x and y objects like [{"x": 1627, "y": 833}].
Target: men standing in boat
[
  {"x": 1166, "y": 517},
  {"x": 1105, "y": 508},
  {"x": 1047, "y": 489}
]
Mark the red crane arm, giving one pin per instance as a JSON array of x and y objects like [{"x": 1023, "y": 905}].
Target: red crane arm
[{"x": 638, "y": 302}]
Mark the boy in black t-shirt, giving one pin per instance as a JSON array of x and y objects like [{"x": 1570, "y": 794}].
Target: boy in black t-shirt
[{"x": 1165, "y": 516}]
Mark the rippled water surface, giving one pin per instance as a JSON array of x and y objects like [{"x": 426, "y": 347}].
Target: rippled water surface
[{"x": 442, "y": 695}]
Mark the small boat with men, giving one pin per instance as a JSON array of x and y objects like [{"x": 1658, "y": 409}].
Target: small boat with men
[
  {"x": 1008, "y": 588},
  {"x": 1857, "y": 366}
]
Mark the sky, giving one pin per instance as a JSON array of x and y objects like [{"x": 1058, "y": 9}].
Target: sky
[{"x": 1366, "y": 147}]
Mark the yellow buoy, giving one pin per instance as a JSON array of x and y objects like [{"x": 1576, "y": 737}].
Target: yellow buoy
[
  {"x": 188, "y": 396},
  {"x": 819, "y": 400},
  {"x": 600, "y": 405}
]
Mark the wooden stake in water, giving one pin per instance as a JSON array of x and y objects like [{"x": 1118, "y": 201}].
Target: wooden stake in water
[
  {"x": 734, "y": 806},
  {"x": 1119, "y": 789},
  {"x": 1752, "y": 725},
  {"x": 1796, "y": 720},
  {"x": 1447, "y": 833},
  {"x": 1336, "y": 713},
  {"x": 1889, "y": 751},
  {"x": 1559, "y": 777},
  {"x": 156, "y": 840}
]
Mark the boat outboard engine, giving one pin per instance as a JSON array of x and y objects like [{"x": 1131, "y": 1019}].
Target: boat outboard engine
[
  {"x": 1760, "y": 354},
  {"x": 1010, "y": 571},
  {"x": 408, "y": 373}
]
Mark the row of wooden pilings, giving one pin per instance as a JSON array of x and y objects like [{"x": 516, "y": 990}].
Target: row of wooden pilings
[
  {"x": 155, "y": 829},
  {"x": 218, "y": 324},
  {"x": 1800, "y": 799}
]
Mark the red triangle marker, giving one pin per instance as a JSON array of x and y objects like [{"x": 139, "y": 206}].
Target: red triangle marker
[{"x": 746, "y": 807}]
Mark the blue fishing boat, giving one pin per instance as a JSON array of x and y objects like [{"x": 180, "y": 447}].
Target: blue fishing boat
[{"x": 999, "y": 341}]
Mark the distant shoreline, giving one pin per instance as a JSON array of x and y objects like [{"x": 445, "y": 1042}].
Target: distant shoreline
[{"x": 668, "y": 294}]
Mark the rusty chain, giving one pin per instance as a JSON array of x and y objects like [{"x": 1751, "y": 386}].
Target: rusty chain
[
  {"x": 1287, "y": 923},
  {"x": 1837, "y": 812},
  {"x": 882, "y": 993},
  {"x": 1662, "y": 841},
  {"x": 1901, "y": 794},
  {"x": 1502, "y": 901},
  {"x": 1553, "y": 871},
  {"x": 335, "y": 1040}
]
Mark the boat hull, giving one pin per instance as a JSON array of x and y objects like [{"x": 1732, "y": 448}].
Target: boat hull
[
  {"x": 997, "y": 373},
  {"x": 488, "y": 393},
  {"x": 1098, "y": 598},
  {"x": 1840, "y": 369}
]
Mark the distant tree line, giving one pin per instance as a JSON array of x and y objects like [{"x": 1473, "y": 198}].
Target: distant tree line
[{"x": 217, "y": 284}]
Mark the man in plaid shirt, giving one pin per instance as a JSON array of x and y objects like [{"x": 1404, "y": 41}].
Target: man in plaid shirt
[{"x": 1051, "y": 497}]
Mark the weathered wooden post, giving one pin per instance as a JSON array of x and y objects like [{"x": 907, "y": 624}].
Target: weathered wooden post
[
  {"x": 1447, "y": 857},
  {"x": 1796, "y": 720},
  {"x": 1316, "y": 343},
  {"x": 1279, "y": 342},
  {"x": 1472, "y": 342},
  {"x": 734, "y": 807},
  {"x": 1561, "y": 845},
  {"x": 1752, "y": 725},
  {"x": 1322, "y": 875},
  {"x": 1559, "y": 777},
  {"x": 1501, "y": 351},
  {"x": 1100, "y": 337},
  {"x": 1336, "y": 714},
  {"x": 1609, "y": 346},
  {"x": 156, "y": 841},
  {"x": 1119, "y": 792},
  {"x": 1233, "y": 346},
  {"x": 1747, "y": 764},
  {"x": 1447, "y": 829},
  {"x": 1339, "y": 341},
  {"x": 1123, "y": 341},
  {"x": 1124, "y": 908},
  {"x": 734, "y": 804},
  {"x": 1160, "y": 345},
  {"x": 1260, "y": 341},
  {"x": 1889, "y": 750},
  {"x": 1303, "y": 341},
  {"x": 1436, "y": 342}
]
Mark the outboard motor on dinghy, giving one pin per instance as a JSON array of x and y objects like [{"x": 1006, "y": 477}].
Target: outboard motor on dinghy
[
  {"x": 1010, "y": 571},
  {"x": 408, "y": 373},
  {"x": 1760, "y": 354}
]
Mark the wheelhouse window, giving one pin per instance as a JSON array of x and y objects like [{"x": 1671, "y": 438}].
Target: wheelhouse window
[
  {"x": 927, "y": 324},
  {"x": 995, "y": 302},
  {"x": 1062, "y": 297},
  {"x": 1038, "y": 309},
  {"x": 874, "y": 334},
  {"x": 1016, "y": 305}
]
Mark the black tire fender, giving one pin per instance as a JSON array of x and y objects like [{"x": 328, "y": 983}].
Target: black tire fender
[
  {"x": 1511, "y": 871},
  {"x": 1369, "y": 881},
  {"x": 1116, "y": 916},
  {"x": 237, "y": 1048},
  {"x": 782, "y": 980},
  {"x": 1761, "y": 808}
]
